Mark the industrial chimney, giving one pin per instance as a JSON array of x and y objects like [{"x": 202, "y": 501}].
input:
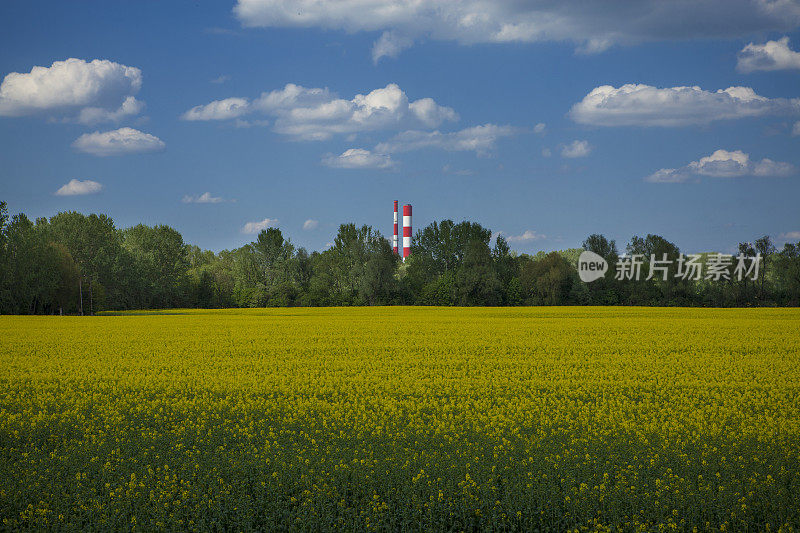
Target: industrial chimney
[
  {"x": 394, "y": 239},
  {"x": 406, "y": 231}
]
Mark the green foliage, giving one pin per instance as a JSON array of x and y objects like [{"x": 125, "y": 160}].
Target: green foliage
[
  {"x": 476, "y": 280},
  {"x": 547, "y": 281},
  {"x": 74, "y": 262},
  {"x": 161, "y": 264}
]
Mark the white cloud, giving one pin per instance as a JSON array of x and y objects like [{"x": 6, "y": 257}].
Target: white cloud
[
  {"x": 99, "y": 90},
  {"x": 540, "y": 128},
  {"x": 546, "y": 152},
  {"x": 480, "y": 139},
  {"x": 430, "y": 114},
  {"x": 448, "y": 169},
  {"x": 796, "y": 129},
  {"x": 205, "y": 198},
  {"x": 723, "y": 164},
  {"x": 591, "y": 26},
  {"x": 644, "y": 105},
  {"x": 358, "y": 158},
  {"x": 95, "y": 115},
  {"x": 292, "y": 96},
  {"x": 78, "y": 187},
  {"x": 218, "y": 110},
  {"x": 669, "y": 175},
  {"x": 528, "y": 235},
  {"x": 769, "y": 168},
  {"x": 317, "y": 114},
  {"x": 773, "y": 55},
  {"x": 310, "y": 224},
  {"x": 791, "y": 236},
  {"x": 576, "y": 149},
  {"x": 242, "y": 123},
  {"x": 118, "y": 142},
  {"x": 256, "y": 227},
  {"x": 221, "y": 79},
  {"x": 390, "y": 44}
]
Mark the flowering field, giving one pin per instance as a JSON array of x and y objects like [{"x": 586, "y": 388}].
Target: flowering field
[{"x": 402, "y": 418}]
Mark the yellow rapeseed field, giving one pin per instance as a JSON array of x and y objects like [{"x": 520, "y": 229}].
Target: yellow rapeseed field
[{"x": 402, "y": 418}]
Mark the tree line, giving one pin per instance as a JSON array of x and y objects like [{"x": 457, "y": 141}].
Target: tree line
[{"x": 73, "y": 263}]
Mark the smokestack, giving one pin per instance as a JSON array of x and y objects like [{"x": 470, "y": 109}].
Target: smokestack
[
  {"x": 406, "y": 231},
  {"x": 394, "y": 239}
]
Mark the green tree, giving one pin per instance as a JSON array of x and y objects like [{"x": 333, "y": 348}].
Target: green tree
[
  {"x": 766, "y": 249},
  {"x": 354, "y": 248},
  {"x": 96, "y": 247},
  {"x": 161, "y": 261},
  {"x": 65, "y": 296},
  {"x": 787, "y": 268},
  {"x": 548, "y": 280},
  {"x": 604, "y": 291},
  {"x": 506, "y": 266},
  {"x": 378, "y": 284},
  {"x": 476, "y": 280},
  {"x": 656, "y": 290},
  {"x": 32, "y": 268},
  {"x": 5, "y": 274}
]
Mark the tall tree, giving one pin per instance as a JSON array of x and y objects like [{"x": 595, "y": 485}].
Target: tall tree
[
  {"x": 603, "y": 291},
  {"x": 5, "y": 274},
  {"x": 352, "y": 249},
  {"x": 96, "y": 246},
  {"x": 378, "y": 284},
  {"x": 787, "y": 268},
  {"x": 32, "y": 268},
  {"x": 161, "y": 258},
  {"x": 476, "y": 280},
  {"x": 765, "y": 248},
  {"x": 548, "y": 280},
  {"x": 507, "y": 269},
  {"x": 663, "y": 286}
]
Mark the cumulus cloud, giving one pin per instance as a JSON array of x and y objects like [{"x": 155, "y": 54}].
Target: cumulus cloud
[
  {"x": 78, "y": 187},
  {"x": 390, "y": 44},
  {"x": 257, "y": 227},
  {"x": 358, "y": 158},
  {"x": 95, "y": 115},
  {"x": 99, "y": 90},
  {"x": 540, "y": 128},
  {"x": 527, "y": 236},
  {"x": 318, "y": 114},
  {"x": 576, "y": 149},
  {"x": 773, "y": 55},
  {"x": 644, "y": 105},
  {"x": 591, "y": 26},
  {"x": 205, "y": 198},
  {"x": 480, "y": 139},
  {"x": 118, "y": 142},
  {"x": 310, "y": 224},
  {"x": 723, "y": 164},
  {"x": 218, "y": 110}
]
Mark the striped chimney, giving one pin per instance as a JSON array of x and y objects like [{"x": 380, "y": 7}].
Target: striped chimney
[
  {"x": 406, "y": 231},
  {"x": 394, "y": 239}
]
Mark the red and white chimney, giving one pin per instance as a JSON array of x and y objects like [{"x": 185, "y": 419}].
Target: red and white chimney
[
  {"x": 394, "y": 239},
  {"x": 406, "y": 231}
]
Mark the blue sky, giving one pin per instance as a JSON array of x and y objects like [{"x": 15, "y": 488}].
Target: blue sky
[{"x": 624, "y": 144}]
